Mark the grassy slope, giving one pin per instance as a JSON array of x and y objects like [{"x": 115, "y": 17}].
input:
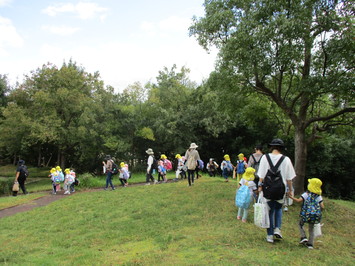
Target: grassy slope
[{"x": 165, "y": 224}]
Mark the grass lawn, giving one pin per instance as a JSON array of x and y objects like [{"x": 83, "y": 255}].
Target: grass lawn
[{"x": 166, "y": 224}]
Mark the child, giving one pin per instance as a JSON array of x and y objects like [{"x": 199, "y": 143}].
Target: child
[
  {"x": 247, "y": 180},
  {"x": 124, "y": 174},
  {"x": 226, "y": 167},
  {"x": 179, "y": 167},
  {"x": 61, "y": 177},
  {"x": 161, "y": 171},
  {"x": 68, "y": 180},
  {"x": 55, "y": 180},
  {"x": 311, "y": 210},
  {"x": 240, "y": 167}
]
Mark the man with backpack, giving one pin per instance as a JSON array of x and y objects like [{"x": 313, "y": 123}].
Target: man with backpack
[
  {"x": 254, "y": 161},
  {"x": 21, "y": 176},
  {"x": 152, "y": 165},
  {"x": 111, "y": 169},
  {"x": 275, "y": 173}
]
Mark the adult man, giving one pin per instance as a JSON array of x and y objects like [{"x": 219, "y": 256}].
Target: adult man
[
  {"x": 21, "y": 176},
  {"x": 151, "y": 165},
  {"x": 270, "y": 186}
]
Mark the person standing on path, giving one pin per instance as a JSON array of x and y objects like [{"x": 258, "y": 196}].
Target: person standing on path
[
  {"x": 108, "y": 167},
  {"x": 151, "y": 166},
  {"x": 271, "y": 190},
  {"x": 21, "y": 176},
  {"x": 191, "y": 156}
]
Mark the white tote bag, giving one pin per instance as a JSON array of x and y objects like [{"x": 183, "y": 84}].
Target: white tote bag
[
  {"x": 261, "y": 213},
  {"x": 317, "y": 230}
]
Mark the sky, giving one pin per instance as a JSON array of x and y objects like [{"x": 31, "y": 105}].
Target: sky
[{"x": 125, "y": 41}]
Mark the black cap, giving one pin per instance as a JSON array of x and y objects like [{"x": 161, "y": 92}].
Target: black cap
[{"x": 277, "y": 142}]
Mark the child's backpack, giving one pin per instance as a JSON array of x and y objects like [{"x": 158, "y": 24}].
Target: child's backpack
[
  {"x": 56, "y": 178},
  {"x": 201, "y": 164},
  {"x": 114, "y": 168},
  {"x": 274, "y": 187},
  {"x": 61, "y": 176},
  {"x": 240, "y": 167},
  {"x": 168, "y": 165},
  {"x": 311, "y": 211},
  {"x": 228, "y": 166},
  {"x": 242, "y": 197},
  {"x": 70, "y": 178},
  {"x": 125, "y": 173}
]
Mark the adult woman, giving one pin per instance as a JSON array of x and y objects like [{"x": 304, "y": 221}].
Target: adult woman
[
  {"x": 191, "y": 156},
  {"x": 275, "y": 198}
]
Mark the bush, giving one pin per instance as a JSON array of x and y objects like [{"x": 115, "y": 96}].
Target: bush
[
  {"x": 87, "y": 180},
  {"x": 6, "y": 186}
]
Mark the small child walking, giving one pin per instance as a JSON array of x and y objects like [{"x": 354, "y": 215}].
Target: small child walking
[
  {"x": 240, "y": 167},
  {"x": 311, "y": 211},
  {"x": 226, "y": 167},
  {"x": 161, "y": 171},
  {"x": 247, "y": 180},
  {"x": 55, "y": 180},
  {"x": 124, "y": 174},
  {"x": 68, "y": 180}
]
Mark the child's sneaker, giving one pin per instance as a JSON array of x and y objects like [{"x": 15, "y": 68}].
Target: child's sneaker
[
  {"x": 277, "y": 233},
  {"x": 238, "y": 217},
  {"x": 270, "y": 238},
  {"x": 244, "y": 220},
  {"x": 155, "y": 182},
  {"x": 285, "y": 209},
  {"x": 66, "y": 192},
  {"x": 309, "y": 246},
  {"x": 303, "y": 240}
]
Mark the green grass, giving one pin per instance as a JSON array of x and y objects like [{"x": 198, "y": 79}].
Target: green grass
[
  {"x": 6, "y": 202},
  {"x": 166, "y": 224}
]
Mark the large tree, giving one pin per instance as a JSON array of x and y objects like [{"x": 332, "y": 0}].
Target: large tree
[{"x": 298, "y": 53}]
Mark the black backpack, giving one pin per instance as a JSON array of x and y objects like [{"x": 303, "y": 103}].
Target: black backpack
[
  {"x": 274, "y": 187},
  {"x": 256, "y": 163},
  {"x": 23, "y": 172},
  {"x": 155, "y": 164},
  {"x": 114, "y": 168}
]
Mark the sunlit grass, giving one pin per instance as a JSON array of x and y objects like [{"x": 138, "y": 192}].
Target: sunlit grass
[{"x": 165, "y": 224}]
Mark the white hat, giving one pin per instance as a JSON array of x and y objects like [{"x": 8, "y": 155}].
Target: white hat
[
  {"x": 149, "y": 151},
  {"x": 193, "y": 145}
]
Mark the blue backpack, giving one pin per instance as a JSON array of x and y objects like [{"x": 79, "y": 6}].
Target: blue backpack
[
  {"x": 311, "y": 211},
  {"x": 242, "y": 197},
  {"x": 201, "y": 164},
  {"x": 240, "y": 167}
]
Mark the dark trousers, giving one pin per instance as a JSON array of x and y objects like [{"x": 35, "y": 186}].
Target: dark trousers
[
  {"x": 190, "y": 176},
  {"x": 150, "y": 176},
  {"x": 21, "y": 182},
  {"x": 123, "y": 181}
]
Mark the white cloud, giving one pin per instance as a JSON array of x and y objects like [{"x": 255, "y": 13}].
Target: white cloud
[
  {"x": 171, "y": 24},
  {"x": 61, "y": 30},
  {"x": 83, "y": 10},
  {"x": 9, "y": 36},
  {"x": 5, "y": 2}
]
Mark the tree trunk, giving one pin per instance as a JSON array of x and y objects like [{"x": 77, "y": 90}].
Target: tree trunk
[
  {"x": 300, "y": 159},
  {"x": 39, "y": 159}
]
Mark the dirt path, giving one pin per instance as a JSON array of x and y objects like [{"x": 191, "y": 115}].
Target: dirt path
[{"x": 47, "y": 199}]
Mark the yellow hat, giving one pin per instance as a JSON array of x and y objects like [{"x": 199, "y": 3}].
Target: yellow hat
[
  {"x": 122, "y": 164},
  {"x": 249, "y": 174},
  {"x": 226, "y": 157},
  {"x": 314, "y": 185},
  {"x": 178, "y": 156},
  {"x": 163, "y": 156},
  {"x": 241, "y": 156},
  {"x": 58, "y": 168},
  {"x": 52, "y": 170},
  {"x": 67, "y": 171}
]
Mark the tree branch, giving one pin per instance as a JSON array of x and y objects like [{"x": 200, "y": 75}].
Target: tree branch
[{"x": 325, "y": 118}]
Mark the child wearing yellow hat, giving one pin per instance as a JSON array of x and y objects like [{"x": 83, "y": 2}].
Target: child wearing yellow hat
[
  {"x": 124, "y": 174},
  {"x": 226, "y": 167},
  {"x": 247, "y": 180},
  {"x": 311, "y": 210},
  {"x": 240, "y": 166}
]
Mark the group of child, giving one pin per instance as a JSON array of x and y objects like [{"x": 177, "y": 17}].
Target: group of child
[
  {"x": 312, "y": 204},
  {"x": 69, "y": 179}
]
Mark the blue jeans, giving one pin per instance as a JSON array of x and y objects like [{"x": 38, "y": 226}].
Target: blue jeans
[
  {"x": 109, "y": 180},
  {"x": 275, "y": 216}
]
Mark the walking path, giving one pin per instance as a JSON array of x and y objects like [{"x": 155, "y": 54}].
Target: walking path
[{"x": 47, "y": 199}]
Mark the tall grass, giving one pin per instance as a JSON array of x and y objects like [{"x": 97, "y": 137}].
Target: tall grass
[{"x": 166, "y": 224}]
